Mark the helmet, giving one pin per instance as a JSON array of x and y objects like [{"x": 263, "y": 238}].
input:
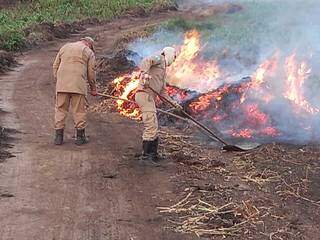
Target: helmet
[
  {"x": 89, "y": 41},
  {"x": 170, "y": 55}
]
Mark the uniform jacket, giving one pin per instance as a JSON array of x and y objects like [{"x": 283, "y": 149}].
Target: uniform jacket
[
  {"x": 73, "y": 67},
  {"x": 155, "y": 66}
]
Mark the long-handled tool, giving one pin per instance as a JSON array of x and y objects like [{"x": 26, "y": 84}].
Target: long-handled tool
[
  {"x": 129, "y": 101},
  {"x": 158, "y": 110},
  {"x": 226, "y": 146},
  {"x": 207, "y": 131}
]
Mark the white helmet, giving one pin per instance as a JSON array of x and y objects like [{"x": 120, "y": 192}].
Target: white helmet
[
  {"x": 170, "y": 55},
  {"x": 89, "y": 41}
]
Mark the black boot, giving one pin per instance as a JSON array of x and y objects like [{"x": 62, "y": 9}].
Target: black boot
[
  {"x": 149, "y": 156},
  {"x": 81, "y": 137},
  {"x": 154, "y": 149},
  {"x": 58, "y": 140}
]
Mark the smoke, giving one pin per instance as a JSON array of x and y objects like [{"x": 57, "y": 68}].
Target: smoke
[
  {"x": 240, "y": 42},
  {"x": 190, "y": 4},
  {"x": 250, "y": 35}
]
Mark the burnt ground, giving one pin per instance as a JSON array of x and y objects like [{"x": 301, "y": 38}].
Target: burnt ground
[{"x": 98, "y": 191}]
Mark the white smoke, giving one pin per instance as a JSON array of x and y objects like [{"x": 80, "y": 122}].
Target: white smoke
[{"x": 249, "y": 37}]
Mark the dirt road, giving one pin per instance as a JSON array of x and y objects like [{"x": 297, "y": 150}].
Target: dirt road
[{"x": 91, "y": 192}]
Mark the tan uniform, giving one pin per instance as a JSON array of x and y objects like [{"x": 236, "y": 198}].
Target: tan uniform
[
  {"x": 155, "y": 66},
  {"x": 72, "y": 69}
]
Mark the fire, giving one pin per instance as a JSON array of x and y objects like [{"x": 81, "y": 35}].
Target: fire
[
  {"x": 270, "y": 131},
  {"x": 256, "y": 116},
  {"x": 185, "y": 71},
  {"x": 296, "y": 76},
  {"x": 189, "y": 49},
  {"x": 126, "y": 87},
  {"x": 188, "y": 71},
  {"x": 267, "y": 68},
  {"x": 204, "y": 102},
  {"x": 243, "y": 133},
  {"x": 241, "y": 109}
]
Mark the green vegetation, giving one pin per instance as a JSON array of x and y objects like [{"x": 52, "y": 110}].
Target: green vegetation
[
  {"x": 241, "y": 29},
  {"x": 260, "y": 24},
  {"x": 15, "y": 20}
]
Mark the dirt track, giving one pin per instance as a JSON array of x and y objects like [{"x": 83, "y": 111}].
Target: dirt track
[
  {"x": 69, "y": 192},
  {"x": 99, "y": 192}
]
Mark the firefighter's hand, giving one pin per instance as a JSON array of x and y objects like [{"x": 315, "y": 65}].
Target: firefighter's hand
[
  {"x": 177, "y": 106},
  {"x": 145, "y": 79},
  {"x": 94, "y": 92},
  {"x": 145, "y": 84}
]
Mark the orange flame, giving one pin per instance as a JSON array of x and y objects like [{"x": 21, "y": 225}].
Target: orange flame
[
  {"x": 243, "y": 133},
  {"x": 296, "y": 76},
  {"x": 255, "y": 116},
  {"x": 270, "y": 131},
  {"x": 185, "y": 72},
  {"x": 268, "y": 67},
  {"x": 189, "y": 72},
  {"x": 126, "y": 86},
  {"x": 205, "y": 100}
]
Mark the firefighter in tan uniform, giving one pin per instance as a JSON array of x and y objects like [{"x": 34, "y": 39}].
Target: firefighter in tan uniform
[
  {"x": 73, "y": 67},
  {"x": 153, "y": 74}
]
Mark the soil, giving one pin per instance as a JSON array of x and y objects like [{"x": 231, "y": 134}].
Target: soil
[
  {"x": 7, "y": 61},
  {"x": 70, "y": 192},
  {"x": 99, "y": 191},
  {"x": 270, "y": 193},
  {"x": 9, "y": 3},
  {"x": 48, "y": 31},
  {"x": 5, "y": 140}
]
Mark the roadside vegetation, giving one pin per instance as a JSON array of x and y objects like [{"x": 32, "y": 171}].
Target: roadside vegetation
[
  {"x": 224, "y": 27},
  {"x": 15, "y": 20}
]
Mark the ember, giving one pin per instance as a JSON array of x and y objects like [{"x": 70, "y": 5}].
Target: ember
[{"x": 125, "y": 88}]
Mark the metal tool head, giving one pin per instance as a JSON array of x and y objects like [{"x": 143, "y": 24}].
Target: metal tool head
[{"x": 241, "y": 148}]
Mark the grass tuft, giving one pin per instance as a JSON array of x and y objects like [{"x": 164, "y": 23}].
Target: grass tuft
[{"x": 13, "y": 21}]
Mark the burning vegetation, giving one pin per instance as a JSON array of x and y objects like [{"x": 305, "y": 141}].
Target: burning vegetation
[
  {"x": 268, "y": 105},
  {"x": 269, "y": 193}
]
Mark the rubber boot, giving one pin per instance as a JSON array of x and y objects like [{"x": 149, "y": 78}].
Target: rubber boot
[
  {"x": 146, "y": 148},
  {"x": 81, "y": 137},
  {"x": 154, "y": 150},
  {"x": 148, "y": 157},
  {"x": 58, "y": 140}
]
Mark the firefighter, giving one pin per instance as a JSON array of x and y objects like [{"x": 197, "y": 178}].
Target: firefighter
[
  {"x": 73, "y": 67},
  {"x": 153, "y": 74}
]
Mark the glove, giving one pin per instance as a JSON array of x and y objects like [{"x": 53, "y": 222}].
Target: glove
[
  {"x": 177, "y": 105},
  {"x": 93, "y": 92},
  {"x": 145, "y": 78}
]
